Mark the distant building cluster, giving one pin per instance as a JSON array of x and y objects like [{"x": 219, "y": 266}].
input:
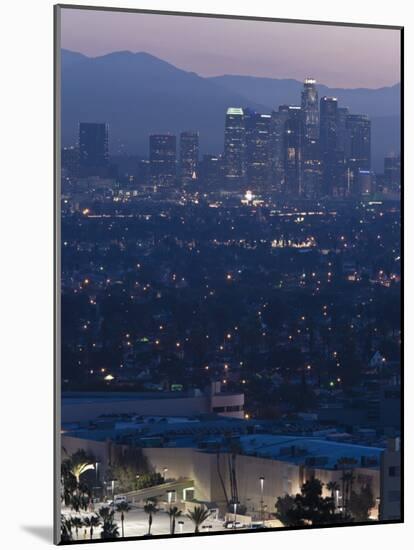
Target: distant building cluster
[{"x": 318, "y": 149}]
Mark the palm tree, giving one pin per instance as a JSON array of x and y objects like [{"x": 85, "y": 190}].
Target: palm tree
[
  {"x": 174, "y": 513},
  {"x": 150, "y": 508},
  {"x": 123, "y": 507},
  {"x": 333, "y": 486},
  {"x": 348, "y": 479},
  {"x": 79, "y": 468},
  {"x": 92, "y": 522},
  {"x": 105, "y": 512},
  {"x": 109, "y": 530},
  {"x": 198, "y": 516},
  {"x": 77, "y": 523},
  {"x": 109, "y": 527},
  {"x": 65, "y": 528}
]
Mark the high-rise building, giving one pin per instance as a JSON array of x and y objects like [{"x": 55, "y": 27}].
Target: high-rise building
[
  {"x": 93, "y": 148},
  {"x": 235, "y": 146},
  {"x": 211, "y": 171},
  {"x": 293, "y": 152},
  {"x": 70, "y": 160},
  {"x": 343, "y": 142},
  {"x": 310, "y": 109},
  {"x": 277, "y": 135},
  {"x": 163, "y": 159},
  {"x": 189, "y": 150},
  {"x": 392, "y": 173},
  {"x": 328, "y": 139},
  {"x": 311, "y": 150},
  {"x": 359, "y": 150},
  {"x": 258, "y": 160}
]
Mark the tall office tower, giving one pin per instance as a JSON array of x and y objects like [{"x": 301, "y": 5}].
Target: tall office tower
[
  {"x": 69, "y": 160},
  {"x": 163, "y": 159},
  {"x": 343, "y": 142},
  {"x": 311, "y": 153},
  {"x": 343, "y": 182},
  {"x": 188, "y": 157},
  {"x": 392, "y": 173},
  {"x": 293, "y": 152},
  {"x": 235, "y": 146},
  {"x": 310, "y": 109},
  {"x": 93, "y": 148},
  {"x": 211, "y": 171},
  {"x": 258, "y": 134},
  {"x": 277, "y": 133},
  {"x": 328, "y": 138},
  {"x": 359, "y": 151}
]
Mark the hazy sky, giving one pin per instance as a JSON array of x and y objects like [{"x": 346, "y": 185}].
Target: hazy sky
[{"x": 335, "y": 56}]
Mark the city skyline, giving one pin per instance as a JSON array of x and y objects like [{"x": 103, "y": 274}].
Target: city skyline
[
  {"x": 230, "y": 278},
  {"x": 337, "y": 56}
]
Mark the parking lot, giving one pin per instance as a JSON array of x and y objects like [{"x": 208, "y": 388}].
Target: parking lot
[{"x": 136, "y": 523}]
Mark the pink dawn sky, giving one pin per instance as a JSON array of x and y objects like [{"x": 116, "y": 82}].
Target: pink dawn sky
[{"x": 337, "y": 56}]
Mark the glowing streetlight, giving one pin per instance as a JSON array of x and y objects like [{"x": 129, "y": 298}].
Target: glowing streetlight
[
  {"x": 235, "y": 504},
  {"x": 261, "y": 479}
]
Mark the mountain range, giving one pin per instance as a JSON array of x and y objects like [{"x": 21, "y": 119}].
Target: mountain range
[{"x": 139, "y": 94}]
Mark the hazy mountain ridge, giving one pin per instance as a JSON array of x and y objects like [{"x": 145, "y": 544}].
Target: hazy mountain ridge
[
  {"x": 139, "y": 94},
  {"x": 273, "y": 91}
]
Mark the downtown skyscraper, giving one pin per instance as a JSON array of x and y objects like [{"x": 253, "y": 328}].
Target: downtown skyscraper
[
  {"x": 293, "y": 139},
  {"x": 311, "y": 149},
  {"x": 93, "y": 148},
  {"x": 189, "y": 152},
  {"x": 359, "y": 149},
  {"x": 258, "y": 143},
  {"x": 235, "y": 146},
  {"x": 163, "y": 159},
  {"x": 328, "y": 137}
]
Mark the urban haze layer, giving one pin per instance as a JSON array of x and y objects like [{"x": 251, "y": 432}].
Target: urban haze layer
[{"x": 230, "y": 317}]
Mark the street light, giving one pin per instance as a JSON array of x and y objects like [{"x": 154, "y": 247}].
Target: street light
[
  {"x": 113, "y": 493},
  {"x": 261, "y": 498},
  {"x": 97, "y": 473},
  {"x": 235, "y": 503},
  {"x": 169, "y": 496}
]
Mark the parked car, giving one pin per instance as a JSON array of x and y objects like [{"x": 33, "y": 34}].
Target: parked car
[
  {"x": 234, "y": 525},
  {"x": 118, "y": 500}
]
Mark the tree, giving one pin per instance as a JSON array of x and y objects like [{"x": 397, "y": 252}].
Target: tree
[
  {"x": 79, "y": 463},
  {"x": 124, "y": 467},
  {"x": 308, "y": 507},
  {"x": 347, "y": 479},
  {"x": 109, "y": 527},
  {"x": 198, "y": 516},
  {"x": 148, "y": 480},
  {"x": 91, "y": 522},
  {"x": 360, "y": 504},
  {"x": 75, "y": 493},
  {"x": 150, "y": 508},
  {"x": 174, "y": 513},
  {"x": 284, "y": 506},
  {"x": 332, "y": 486},
  {"x": 65, "y": 528},
  {"x": 123, "y": 507},
  {"x": 77, "y": 523}
]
